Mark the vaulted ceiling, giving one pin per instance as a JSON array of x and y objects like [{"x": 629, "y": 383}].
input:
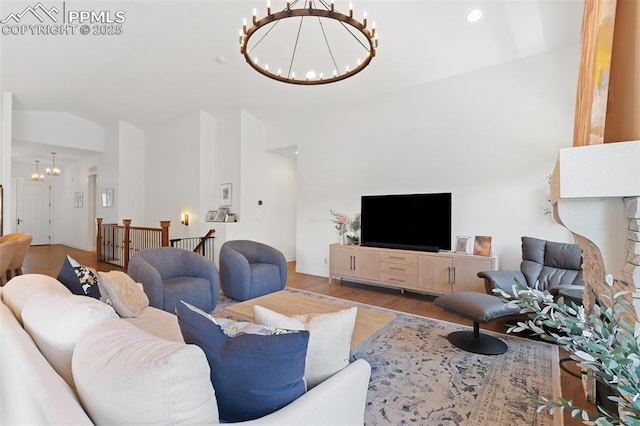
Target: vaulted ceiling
[{"x": 174, "y": 57}]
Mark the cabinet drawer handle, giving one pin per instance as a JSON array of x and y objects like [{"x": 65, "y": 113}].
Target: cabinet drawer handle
[
  {"x": 397, "y": 280},
  {"x": 397, "y": 269},
  {"x": 397, "y": 257}
]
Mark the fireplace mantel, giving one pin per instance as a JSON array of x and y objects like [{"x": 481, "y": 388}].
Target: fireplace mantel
[{"x": 595, "y": 191}]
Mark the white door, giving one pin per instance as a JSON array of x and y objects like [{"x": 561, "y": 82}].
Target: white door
[{"x": 33, "y": 210}]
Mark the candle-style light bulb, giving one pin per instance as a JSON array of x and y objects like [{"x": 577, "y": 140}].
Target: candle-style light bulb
[
  {"x": 364, "y": 18},
  {"x": 332, "y": 5},
  {"x": 255, "y": 15},
  {"x": 268, "y": 7},
  {"x": 350, "y": 10},
  {"x": 293, "y": 76},
  {"x": 244, "y": 25}
]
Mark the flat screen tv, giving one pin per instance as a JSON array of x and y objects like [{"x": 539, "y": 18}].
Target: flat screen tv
[{"x": 419, "y": 222}]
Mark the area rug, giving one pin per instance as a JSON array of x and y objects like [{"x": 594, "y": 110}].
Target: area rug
[{"x": 418, "y": 377}]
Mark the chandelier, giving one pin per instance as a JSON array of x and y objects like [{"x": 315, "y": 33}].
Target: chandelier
[
  {"x": 282, "y": 40},
  {"x": 53, "y": 171},
  {"x": 37, "y": 177}
]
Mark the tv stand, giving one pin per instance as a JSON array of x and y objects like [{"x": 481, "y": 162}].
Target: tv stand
[{"x": 417, "y": 271}]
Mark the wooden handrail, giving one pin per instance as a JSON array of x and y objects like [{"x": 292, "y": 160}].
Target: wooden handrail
[
  {"x": 209, "y": 233},
  {"x": 123, "y": 249},
  {"x": 127, "y": 241}
]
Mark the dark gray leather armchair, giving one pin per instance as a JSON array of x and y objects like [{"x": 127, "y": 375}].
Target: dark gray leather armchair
[
  {"x": 169, "y": 274},
  {"x": 546, "y": 265},
  {"x": 250, "y": 269}
]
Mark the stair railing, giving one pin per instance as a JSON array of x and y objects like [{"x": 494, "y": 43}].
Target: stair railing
[
  {"x": 116, "y": 244},
  {"x": 201, "y": 245}
]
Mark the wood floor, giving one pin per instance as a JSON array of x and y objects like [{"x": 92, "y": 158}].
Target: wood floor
[{"x": 48, "y": 259}]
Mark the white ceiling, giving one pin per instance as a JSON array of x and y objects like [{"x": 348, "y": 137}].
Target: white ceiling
[{"x": 164, "y": 65}]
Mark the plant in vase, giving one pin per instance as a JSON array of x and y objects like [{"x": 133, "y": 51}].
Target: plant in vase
[
  {"x": 354, "y": 226},
  {"x": 340, "y": 222},
  {"x": 352, "y": 237},
  {"x": 346, "y": 227},
  {"x": 602, "y": 342}
]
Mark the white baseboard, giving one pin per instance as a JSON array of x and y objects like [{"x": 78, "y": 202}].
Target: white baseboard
[{"x": 312, "y": 271}]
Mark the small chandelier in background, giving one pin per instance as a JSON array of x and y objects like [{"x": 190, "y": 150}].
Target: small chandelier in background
[
  {"x": 319, "y": 63},
  {"x": 37, "y": 177},
  {"x": 53, "y": 171}
]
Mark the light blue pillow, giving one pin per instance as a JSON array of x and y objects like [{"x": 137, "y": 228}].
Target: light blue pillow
[{"x": 253, "y": 374}]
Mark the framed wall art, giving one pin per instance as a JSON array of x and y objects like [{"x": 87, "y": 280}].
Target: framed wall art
[
  {"x": 78, "y": 200},
  {"x": 107, "y": 197},
  {"x": 225, "y": 194}
]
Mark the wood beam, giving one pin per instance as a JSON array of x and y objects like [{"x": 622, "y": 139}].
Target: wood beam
[{"x": 598, "y": 22}]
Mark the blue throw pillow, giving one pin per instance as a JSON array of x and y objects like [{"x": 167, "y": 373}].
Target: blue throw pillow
[
  {"x": 78, "y": 279},
  {"x": 253, "y": 374}
]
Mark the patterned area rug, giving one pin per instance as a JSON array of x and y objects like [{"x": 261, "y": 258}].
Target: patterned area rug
[{"x": 418, "y": 377}]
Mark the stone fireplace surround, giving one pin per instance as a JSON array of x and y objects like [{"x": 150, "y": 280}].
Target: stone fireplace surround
[{"x": 595, "y": 192}]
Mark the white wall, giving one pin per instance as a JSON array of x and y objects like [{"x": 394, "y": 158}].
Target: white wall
[
  {"x": 131, "y": 161},
  {"x": 270, "y": 178},
  {"x": 69, "y": 225},
  {"x": 6, "y": 113},
  {"x": 224, "y": 167},
  {"x": 208, "y": 189},
  {"x": 490, "y": 137},
  {"x": 58, "y": 129},
  {"x": 189, "y": 158},
  {"x": 108, "y": 171},
  {"x": 172, "y": 173}
]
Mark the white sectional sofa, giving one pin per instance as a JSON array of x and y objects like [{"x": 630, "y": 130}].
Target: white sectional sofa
[{"x": 67, "y": 359}]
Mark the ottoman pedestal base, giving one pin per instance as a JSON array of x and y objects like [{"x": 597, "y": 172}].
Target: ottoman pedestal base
[
  {"x": 479, "y": 307},
  {"x": 476, "y": 342}
]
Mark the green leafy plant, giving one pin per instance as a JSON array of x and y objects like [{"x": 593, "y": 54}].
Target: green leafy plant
[{"x": 602, "y": 342}]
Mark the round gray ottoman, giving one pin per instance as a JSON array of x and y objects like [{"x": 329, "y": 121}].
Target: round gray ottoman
[{"x": 480, "y": 308}]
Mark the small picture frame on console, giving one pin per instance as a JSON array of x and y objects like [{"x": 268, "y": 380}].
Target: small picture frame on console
[
  {"x": 482, "y": 245},
  {"x": 221, "y": 214},
  {"x": 462, "y": 244},
  {"x": 211, "y": 215}
]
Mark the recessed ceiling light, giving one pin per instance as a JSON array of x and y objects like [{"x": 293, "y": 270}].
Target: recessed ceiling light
[
  {"x": 474, "y": 15},
  {"x": 221, "y": 60}
]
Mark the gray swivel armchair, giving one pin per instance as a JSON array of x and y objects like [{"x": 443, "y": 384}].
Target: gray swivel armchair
[
  {"x": 546, "y": 265},
  {"x": 249, "y": 269},
  {"x": 169, "y": 274}
]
